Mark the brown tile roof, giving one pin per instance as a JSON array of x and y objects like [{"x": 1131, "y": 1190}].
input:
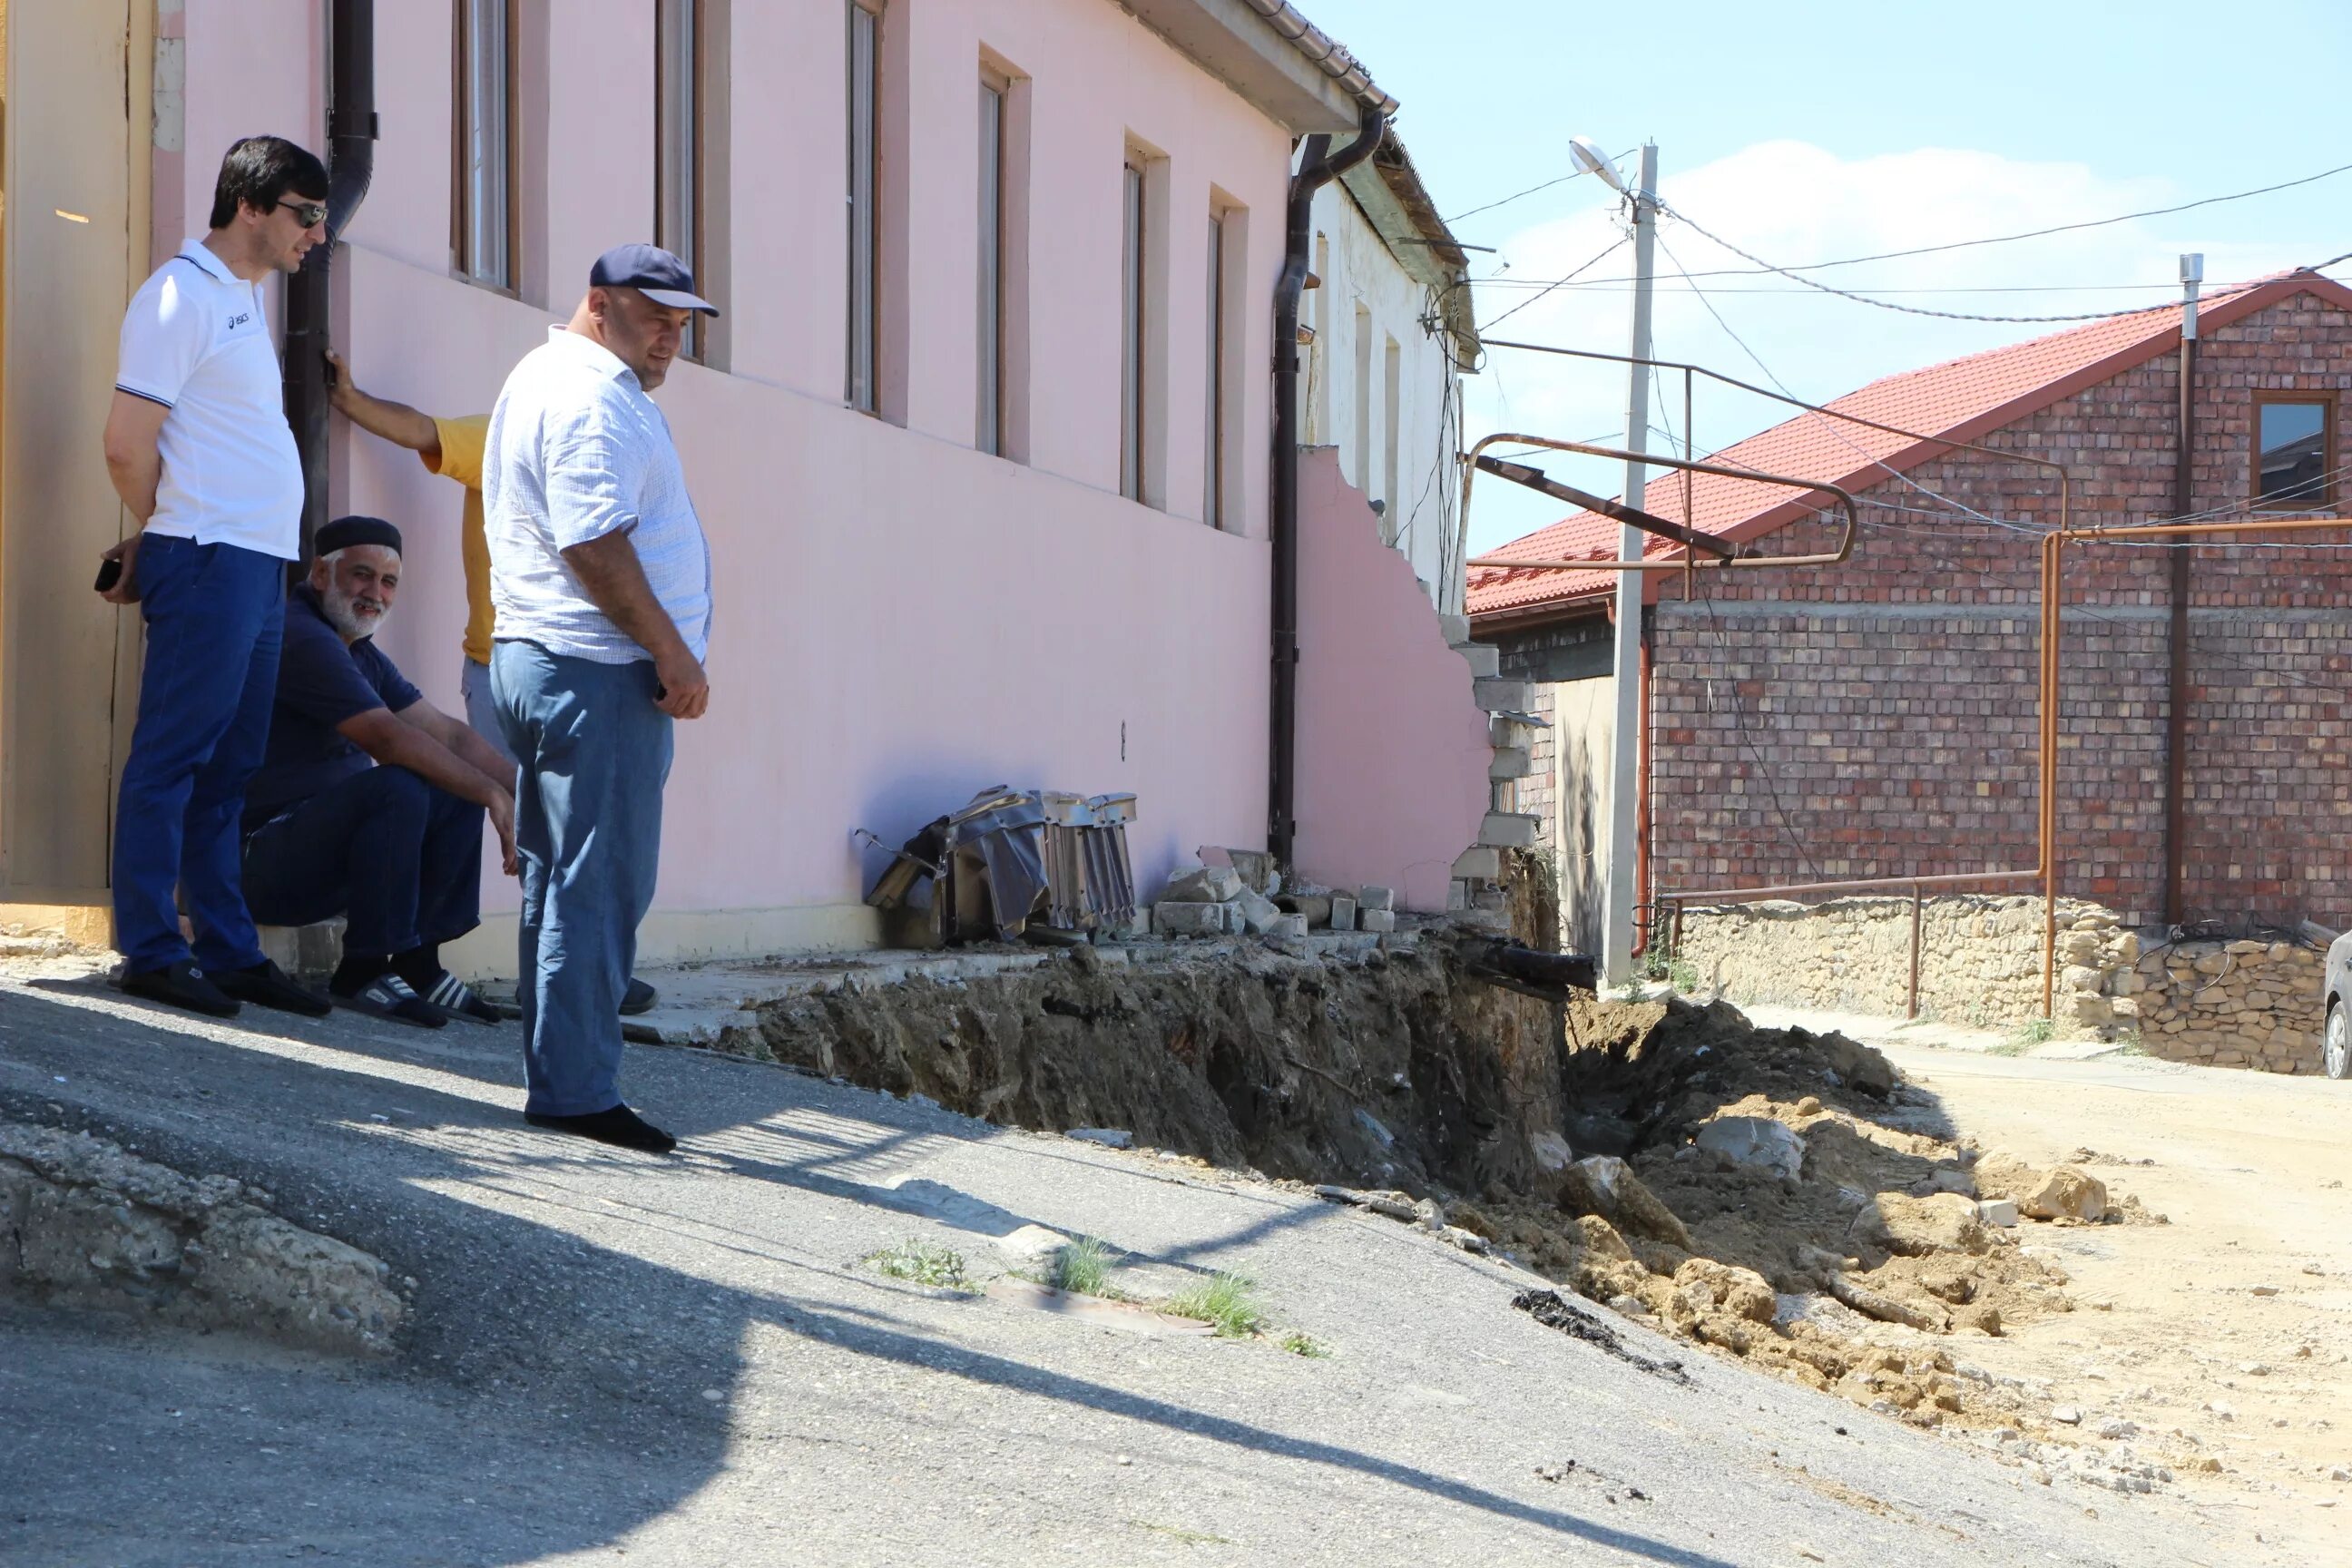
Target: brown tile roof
[{"x": 1960, "y": 399}]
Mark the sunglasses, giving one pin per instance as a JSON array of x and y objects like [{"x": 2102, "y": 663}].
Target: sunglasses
[{"x": 312, "y": 214}]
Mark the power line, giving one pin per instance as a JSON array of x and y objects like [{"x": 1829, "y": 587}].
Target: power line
[
  {"x": 1531, "y": 191},
  {"x": 1614, "y": 246},
  {"x": 2058, "y": 228},
  {"x": 1795, "y": 277}
]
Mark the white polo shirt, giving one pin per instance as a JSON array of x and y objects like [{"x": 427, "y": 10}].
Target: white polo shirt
[
  {"x": 197, "y": 341},
  {"x": 578, "y": 451}
]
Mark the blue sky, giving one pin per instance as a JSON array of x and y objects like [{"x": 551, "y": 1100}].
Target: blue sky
[{"x": 1813, "y": 130}]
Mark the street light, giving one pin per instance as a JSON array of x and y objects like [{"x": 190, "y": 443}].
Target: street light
[{"x": 1592, "y": 160}]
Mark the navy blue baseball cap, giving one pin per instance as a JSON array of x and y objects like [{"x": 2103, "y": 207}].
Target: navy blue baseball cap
[{"x": 653, "y": 272}]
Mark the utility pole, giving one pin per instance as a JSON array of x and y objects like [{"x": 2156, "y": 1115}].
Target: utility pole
[{"x": 1624, "y": 809}]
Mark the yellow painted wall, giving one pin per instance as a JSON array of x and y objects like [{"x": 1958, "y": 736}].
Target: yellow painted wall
[{"x": 73, "y": 247}]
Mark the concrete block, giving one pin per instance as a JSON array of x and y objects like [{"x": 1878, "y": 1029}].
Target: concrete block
[
  {"x": 1377, "y": 920},
  {"x": 1257, "y": 914},
  {"x": 1457, "y": 896},
  {"x": 1481, "y": 863},
  {"x": 1182, "y": 917},
  {"x": 1206, "y": 885},
  {"x": 1496, "y": 695},
  {"x": 1343, "y": 913},
  {"x": 1456, "y": 628},
  {"x": 1484, "y": 658},
  {"x": 1375, "y": 898},
  {"x": 1510, "y": 762},
  {"x": 1508, "y": 830},
  {"x": 1503, "y": 731},
  {"x": 305, "y": 952},
  {"x": 1288, "y": 926}
]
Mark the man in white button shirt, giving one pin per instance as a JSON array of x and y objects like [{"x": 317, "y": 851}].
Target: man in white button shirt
[
  {"x": 601, "y": 579},
  {"x": 198, "y": 448}
]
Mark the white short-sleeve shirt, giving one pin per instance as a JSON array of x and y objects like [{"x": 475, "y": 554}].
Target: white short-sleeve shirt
[
  {"x": 197, "y": 341},
  {"x": 577, "y": 451}
]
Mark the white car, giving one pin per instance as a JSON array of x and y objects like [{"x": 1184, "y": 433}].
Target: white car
[{"x": 2336, "y": 1042}]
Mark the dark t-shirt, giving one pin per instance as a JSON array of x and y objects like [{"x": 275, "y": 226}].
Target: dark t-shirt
[{"x": 320, "y": 683}]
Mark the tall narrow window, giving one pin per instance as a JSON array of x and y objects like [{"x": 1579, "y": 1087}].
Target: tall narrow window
[
  {"x": 2295, "y": 450},
  {"x": 1131, "y": 405},
  {"x": 1360, "y": 472},
  {"x": 865, "y": 206},
  {"x": 1213, "y": 494},
  {"x": 989, "y": 391},
  {"x": 1392, "y": 411},
  {"x": 678, "y": 164},
  {"x": 483, "y": 210}
]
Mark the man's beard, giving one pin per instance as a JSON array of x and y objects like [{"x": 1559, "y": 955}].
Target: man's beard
[{"x": 343, "y": 613}]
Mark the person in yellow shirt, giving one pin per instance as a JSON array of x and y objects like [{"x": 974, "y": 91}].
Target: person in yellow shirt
[{"x": 453, "y": 448}]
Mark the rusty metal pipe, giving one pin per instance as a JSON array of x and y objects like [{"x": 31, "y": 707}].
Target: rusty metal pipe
[
  {"x": 1912, "y": 1009},
  {"x": 1859, "y": 885},
  {"x": 1841, "y": 499}
]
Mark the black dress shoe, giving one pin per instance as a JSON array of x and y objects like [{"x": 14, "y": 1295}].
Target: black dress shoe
[
  {"x": 638, "y": 998},
  {"x": 181, "y": 985},
  {"x": 267, "y": 985},
  {"x": 619, "y": 1125}
]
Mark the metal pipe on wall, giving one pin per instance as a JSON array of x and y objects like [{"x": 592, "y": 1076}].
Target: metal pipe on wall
[
  {"x": 2176, "y": 750},
  {"x": 350, "y": 164},
  {"x": 1316, "y": 168}
]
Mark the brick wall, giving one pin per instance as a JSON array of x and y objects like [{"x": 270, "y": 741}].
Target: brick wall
[{"x": 1877, "y": 719}]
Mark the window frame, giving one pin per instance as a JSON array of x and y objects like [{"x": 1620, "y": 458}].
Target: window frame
[
  {"x": 1215, "y": 371},
  {"x": 989, "y": 381},
  {"x": 862, "y": 314},
  {"x": 696, "y": 150},
  {"x": 1135, "y": 283},
  {"x": 463, "y": 217},
  {"x": 2326, "y": 402}
]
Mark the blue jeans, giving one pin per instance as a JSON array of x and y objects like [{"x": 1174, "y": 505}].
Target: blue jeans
[
  {"x": 400, "y": 860},
  {"x": 594, "y": 754},
  {"x": 214, "y": 614}
]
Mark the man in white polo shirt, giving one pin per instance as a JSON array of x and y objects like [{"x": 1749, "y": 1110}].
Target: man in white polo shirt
[
  {"x": 198, "y": 448},
  {"x": 601, "y": 579}
]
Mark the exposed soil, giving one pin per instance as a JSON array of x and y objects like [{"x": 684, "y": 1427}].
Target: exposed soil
[{"x": 1864, "y": 1270}]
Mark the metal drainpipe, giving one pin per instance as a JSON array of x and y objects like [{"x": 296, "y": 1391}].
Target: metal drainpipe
[
  {"x": 1317, "y": 169},
  {"x": 350, "y": 162},
  {"x": 2176, "y": 750}
]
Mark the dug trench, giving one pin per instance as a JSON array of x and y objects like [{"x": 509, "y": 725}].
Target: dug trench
[{"x": 1779, "y": 1196}]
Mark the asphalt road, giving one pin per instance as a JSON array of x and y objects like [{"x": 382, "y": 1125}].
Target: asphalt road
[{"x": 685, "y": 1361}]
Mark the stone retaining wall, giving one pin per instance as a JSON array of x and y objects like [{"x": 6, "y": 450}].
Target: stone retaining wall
[
  {"x": 2237, "y": 1003},
  {"x": 2226, "y": 1004},
  {"x": 1980, "y": 957}
]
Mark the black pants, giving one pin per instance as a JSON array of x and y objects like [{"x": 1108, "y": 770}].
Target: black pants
[{"x": 401, "y": 859}]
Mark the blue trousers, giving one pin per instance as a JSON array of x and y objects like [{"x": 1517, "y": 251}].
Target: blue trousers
[
  {"x": 592, "y": 754},
  {"x": 215, "y": 616},
  {"x": 399, "y": 859}
]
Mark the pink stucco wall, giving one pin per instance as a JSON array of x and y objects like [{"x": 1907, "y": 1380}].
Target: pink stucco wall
[
  {"x": 1392, "y": 749},
  {"x": 901, "y": 620}
]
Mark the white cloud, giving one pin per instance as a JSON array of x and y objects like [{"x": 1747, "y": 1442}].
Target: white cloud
[{"x": 1788, "y": 201}]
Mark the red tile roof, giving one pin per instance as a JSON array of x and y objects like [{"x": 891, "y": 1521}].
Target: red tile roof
[{"x": 1960, "y": 399}]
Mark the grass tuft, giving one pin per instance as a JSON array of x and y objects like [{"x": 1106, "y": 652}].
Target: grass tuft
[
  {"x": 1227, "y": 1301},
  {"x": 2032, "y": 1033},
  {"x": 920, "y": 1262},
  {"x": 1082, "y": 1268},
  {"x": 1306, "y": 1344}
]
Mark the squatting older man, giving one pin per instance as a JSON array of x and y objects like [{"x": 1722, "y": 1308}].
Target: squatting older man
[
  {"x": 600, "y": 578},
  {"x": 370, "y": 801}
]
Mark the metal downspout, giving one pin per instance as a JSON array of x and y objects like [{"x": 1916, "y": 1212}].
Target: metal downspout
[
  {"x": 350, "y": 164},
  {"x": 1317, "y": 169}
]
